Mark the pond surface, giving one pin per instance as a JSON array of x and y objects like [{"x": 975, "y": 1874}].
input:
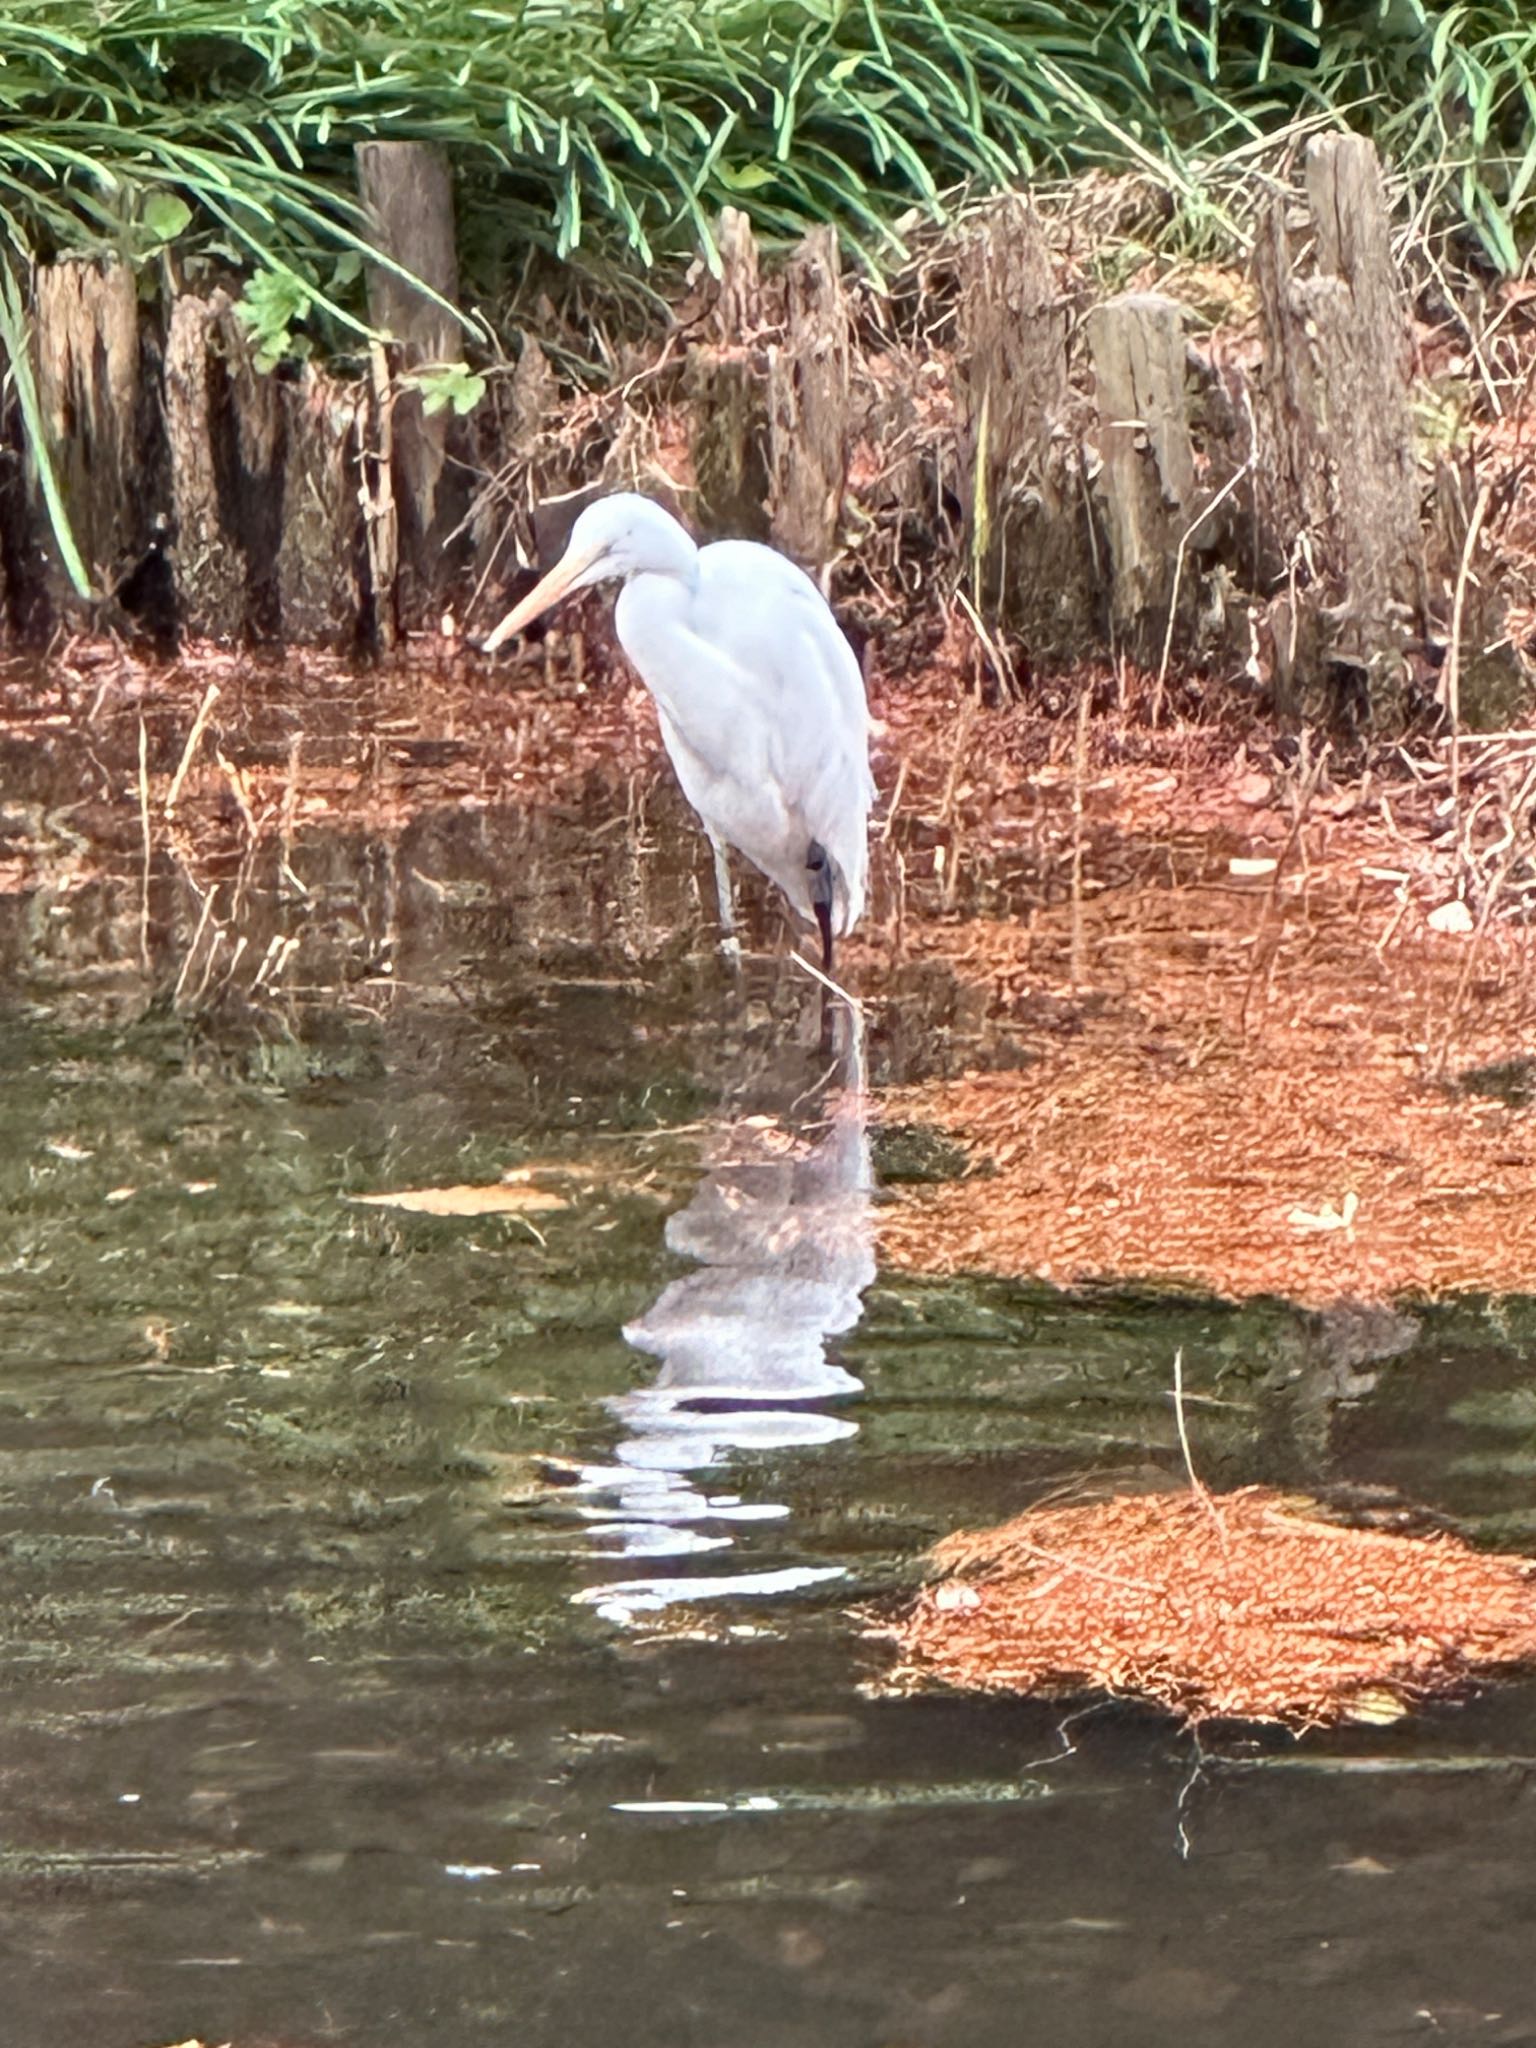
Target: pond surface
[{"x": 436, "y": 1629}]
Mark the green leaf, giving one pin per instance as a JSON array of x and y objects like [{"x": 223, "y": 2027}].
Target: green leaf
[
  {"x": 448, "y": 384},
  {"x": 164, "y": 215},
  {"x": 746, "y": 177}
]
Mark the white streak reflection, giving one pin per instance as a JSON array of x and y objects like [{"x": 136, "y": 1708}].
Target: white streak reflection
[
  {"x": 781, "y": 1227},
  {"x": 626, "y": 1598}
]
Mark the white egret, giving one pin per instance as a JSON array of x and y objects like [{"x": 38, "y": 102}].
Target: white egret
[{"x": 761, "y": 698}]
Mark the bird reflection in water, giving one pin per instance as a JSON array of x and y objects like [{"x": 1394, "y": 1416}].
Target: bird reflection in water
[{"x": 781, "y": 1229}]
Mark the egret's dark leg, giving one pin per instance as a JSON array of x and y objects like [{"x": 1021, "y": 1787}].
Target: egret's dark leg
[
  {"x": 819, "y": 869},
  {"x": 829, "y": 1008}
]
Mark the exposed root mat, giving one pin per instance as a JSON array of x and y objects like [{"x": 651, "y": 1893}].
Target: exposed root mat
[{"x": 1238, "y": 1606}]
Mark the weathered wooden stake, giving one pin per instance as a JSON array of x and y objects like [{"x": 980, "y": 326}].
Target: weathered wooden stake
[
  {"x": 725, "y": 387},
  {"x": 1146, "y": 485},
  {"x": 263, "y": 487},
  {"x": 86, "y": 345},
  {"x": 1025, "y": 524},
  {"x": 407, "y": 188},
  {"x": 1338, "y": 472},
  {"x": 320, "y": 551},
  {"x": 211, "y": 567},
  {"x": 376, "y": 496},
  {"x": 808, "y": 400}
]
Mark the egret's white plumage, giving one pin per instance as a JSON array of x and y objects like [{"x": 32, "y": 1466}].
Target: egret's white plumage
[{"x": 761, "y": 698}]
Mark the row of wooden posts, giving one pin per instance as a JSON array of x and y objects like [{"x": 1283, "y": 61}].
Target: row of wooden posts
[
  {"x": 1101, "y": 485},
  {"x": 298, "y": 506}
]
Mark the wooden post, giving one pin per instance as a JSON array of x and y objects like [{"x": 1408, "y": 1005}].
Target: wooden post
[
  {"x": 1025, "y": 538},
  {"x": 738, "y": 296},
  {"x": 224, "y": 423},
  {"x": 1338, "y": 473},
  {"x": 727, "y": 395},
  {"x": 263, "y": 487},
  {"x": 320, "y": 549},
  {"x": 210, "y": 565},
  {"x": 407, "y": 188},
  {"x": 1146, "y": 485},
  {"x": 89, "y": 384},
  {"x": 808, "y": 397}
]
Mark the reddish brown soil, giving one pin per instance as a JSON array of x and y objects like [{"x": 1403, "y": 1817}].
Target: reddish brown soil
[{"x": 1249, "y": 1082}]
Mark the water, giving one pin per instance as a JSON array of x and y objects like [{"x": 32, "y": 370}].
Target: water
[{"x": 425, "y": 1629}]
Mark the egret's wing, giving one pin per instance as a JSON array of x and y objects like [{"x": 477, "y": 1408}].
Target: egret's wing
[
  {"x": 758, "y": 606},
  {"x": 821, "y": 744},
  {"x": 800, "y": 688}
]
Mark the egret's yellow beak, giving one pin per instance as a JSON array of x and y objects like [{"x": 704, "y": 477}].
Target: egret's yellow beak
[{"x": 565, "y": 575}]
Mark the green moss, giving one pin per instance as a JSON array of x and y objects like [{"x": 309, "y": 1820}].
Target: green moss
[{"x": 917, "y": 1152}]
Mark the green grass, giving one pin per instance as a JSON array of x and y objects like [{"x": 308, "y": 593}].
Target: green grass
[
  {"x": 621, "y": 126},
  {"x": 220, "y": 132}
]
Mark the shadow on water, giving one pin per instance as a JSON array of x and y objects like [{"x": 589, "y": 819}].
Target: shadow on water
[{"x": 348, "y": 1689}]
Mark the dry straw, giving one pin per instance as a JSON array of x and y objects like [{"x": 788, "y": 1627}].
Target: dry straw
[{"x": 1240, "y": 1606}]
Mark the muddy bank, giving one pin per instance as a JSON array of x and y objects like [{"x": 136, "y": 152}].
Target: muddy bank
[
  {"x": 1172, "y": 1007},
  {"x": 1275, "y": 1045}
]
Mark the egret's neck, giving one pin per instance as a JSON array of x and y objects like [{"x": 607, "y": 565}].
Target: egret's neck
[
  {"x": 661, "y": 547},
  {"x": 656, "y": 604},
  {"x": 654, "y": 608}
]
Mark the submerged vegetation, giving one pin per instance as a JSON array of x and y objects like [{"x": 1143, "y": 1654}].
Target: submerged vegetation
[{"x": 618, "y": 128}]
